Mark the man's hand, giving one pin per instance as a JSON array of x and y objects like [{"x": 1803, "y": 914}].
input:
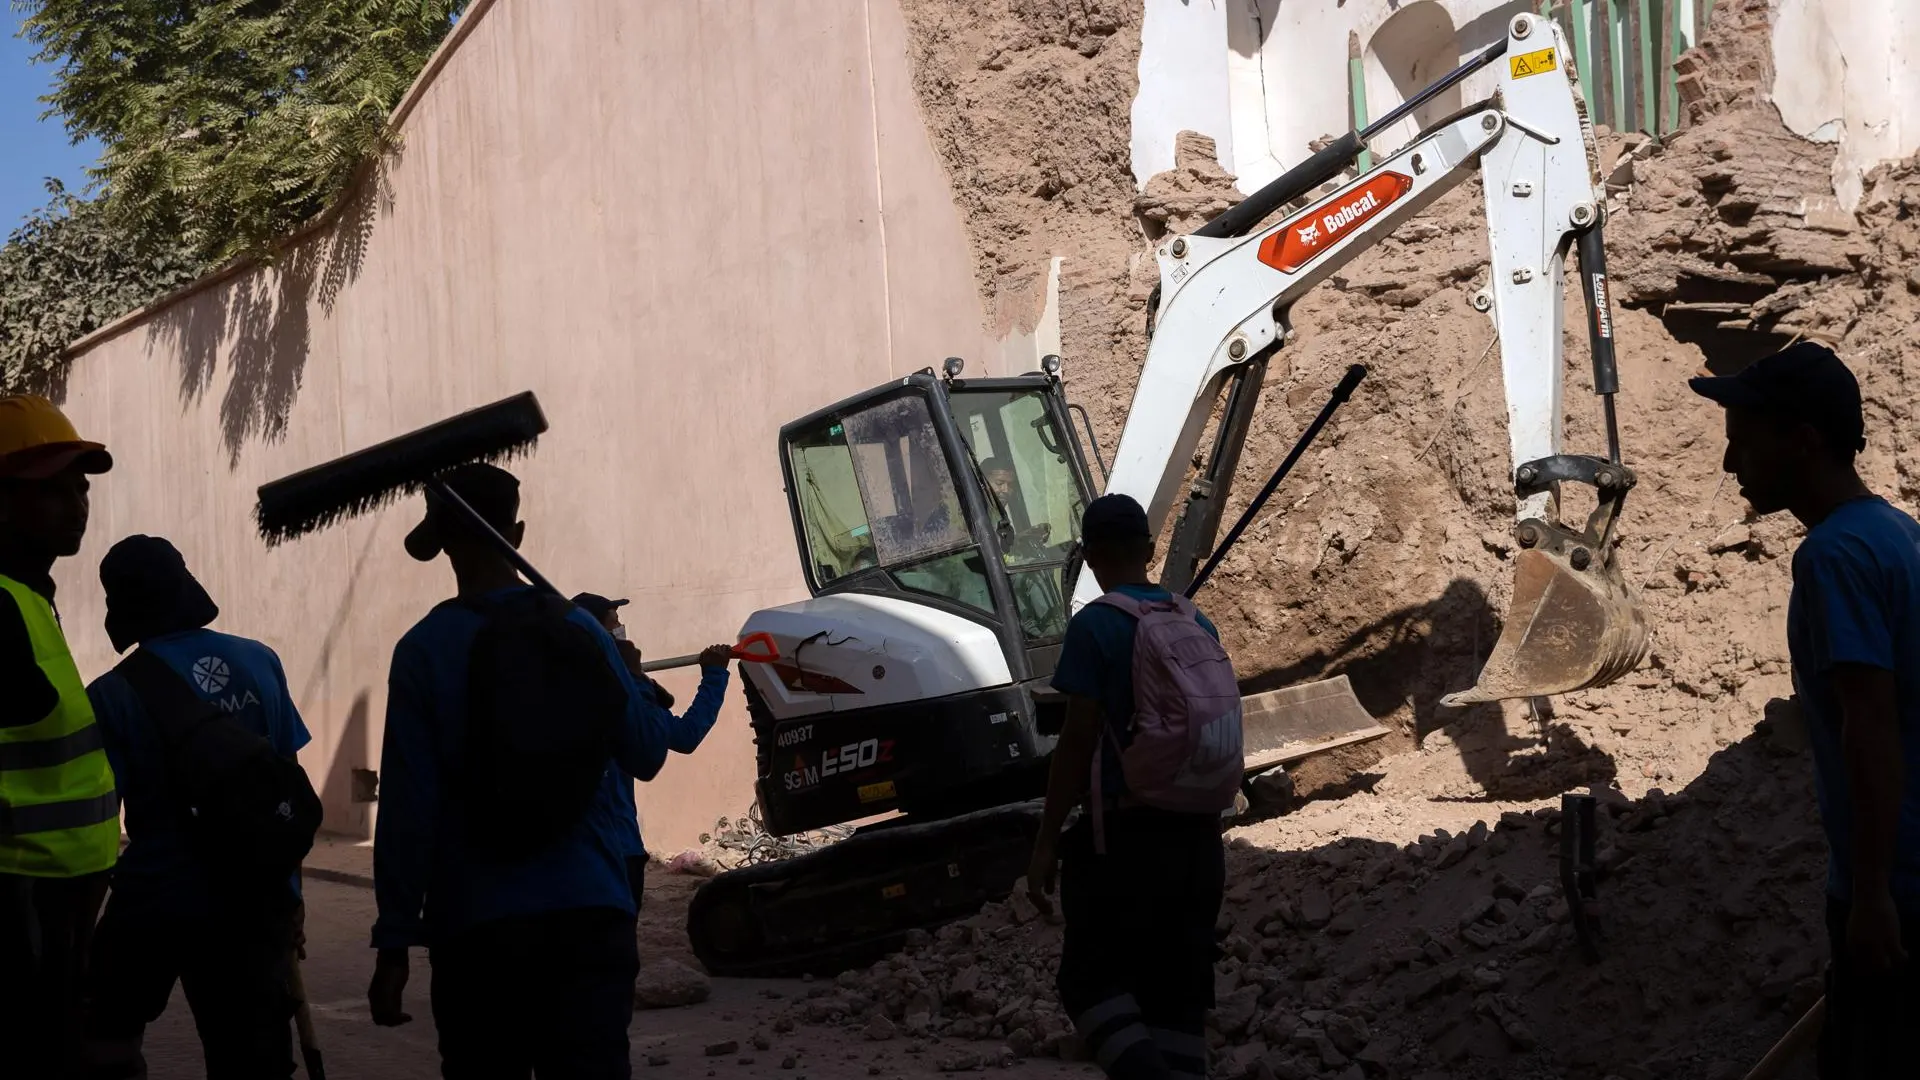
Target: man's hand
[
  {"x": 388, "y": 985},
  {"x": 1873, "y": 933},
  {"x": 629, "y": 654},
  {"x": 1041, "y": 871},
  {"x": 716, "y": 656}
]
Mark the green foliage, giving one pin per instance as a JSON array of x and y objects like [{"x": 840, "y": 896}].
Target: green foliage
[
  {"x": 66, "y": 272},
  {"x": 230, "y": 123}
]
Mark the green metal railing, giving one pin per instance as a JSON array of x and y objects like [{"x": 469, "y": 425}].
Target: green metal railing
[{"x": 1625, "y": 51}]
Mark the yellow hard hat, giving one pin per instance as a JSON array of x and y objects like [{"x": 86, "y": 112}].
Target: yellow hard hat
[{"x": 38, "y": 441}]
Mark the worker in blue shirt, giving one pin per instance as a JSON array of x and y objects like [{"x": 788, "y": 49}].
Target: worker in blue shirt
[
  {"x": 533, "y": 958},
  {"x": 166, "y": 922},
  {"x": 1794, "y": 424},
  {"x": 695, "y": 722}
]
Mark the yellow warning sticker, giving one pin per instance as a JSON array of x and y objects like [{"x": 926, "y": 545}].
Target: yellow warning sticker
[
  {"x": 876, "y": 792},
  {"x": 1532, "y": 63},
  {"x": 893, "y": 892}
]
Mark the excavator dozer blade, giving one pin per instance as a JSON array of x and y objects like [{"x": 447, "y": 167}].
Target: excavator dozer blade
[
  {"x": 1283, "y": 726},
  {"x": 1567, "y": 630}
]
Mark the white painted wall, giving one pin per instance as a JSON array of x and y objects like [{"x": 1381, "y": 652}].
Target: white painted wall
[
  {"x": 1841, "y": 74},
  {"x": 1264, "y": 78},
  {"x": 1183, "y": 82}
]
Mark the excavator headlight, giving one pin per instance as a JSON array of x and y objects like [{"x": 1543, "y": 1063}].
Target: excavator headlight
[
  {"x": 953, "y": 366},
  {"x": 1050, "y": 364}
]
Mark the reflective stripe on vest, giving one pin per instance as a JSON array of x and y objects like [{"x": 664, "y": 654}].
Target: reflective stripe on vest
[{"x": 59, "y": 816}]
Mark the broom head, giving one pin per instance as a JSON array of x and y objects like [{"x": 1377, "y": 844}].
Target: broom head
[{"x": 370, "y": 479}]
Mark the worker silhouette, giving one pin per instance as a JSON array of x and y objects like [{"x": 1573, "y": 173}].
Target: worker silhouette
[
  {"x": 513, "y": 727},
  {"x": 59, "y": 817},
  {"x": 1794, "y": 425},
  {"x": 177, "y": 914}
]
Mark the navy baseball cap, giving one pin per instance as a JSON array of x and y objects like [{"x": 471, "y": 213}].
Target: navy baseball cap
[
  {"x": 596, "y": 605},
  {"x": 1114, "y": 517},
  {"x": 492, "y": 492},
  {"x": 1804, "y": 381}
]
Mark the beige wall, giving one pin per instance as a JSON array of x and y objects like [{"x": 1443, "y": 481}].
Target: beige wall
[{"x": 680, "y": 224}]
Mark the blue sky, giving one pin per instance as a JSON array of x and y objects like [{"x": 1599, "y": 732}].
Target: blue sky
[{"x": 30, "y": 149}]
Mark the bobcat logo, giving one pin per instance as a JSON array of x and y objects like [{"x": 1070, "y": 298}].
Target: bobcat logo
[{"x": 212, "y": 674}]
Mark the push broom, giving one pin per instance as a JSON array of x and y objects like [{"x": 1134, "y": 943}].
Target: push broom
[{"x": 367, "y": 480}]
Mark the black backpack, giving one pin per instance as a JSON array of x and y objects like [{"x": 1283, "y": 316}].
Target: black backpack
[
  {"x": 250, "y": 814},
  {"x": 543, "y": 706}
]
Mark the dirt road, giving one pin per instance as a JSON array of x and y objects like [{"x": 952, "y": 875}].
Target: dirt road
[{"x": 666, "y": 1044}]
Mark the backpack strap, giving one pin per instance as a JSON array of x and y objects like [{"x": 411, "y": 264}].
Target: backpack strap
[
  {"x": 169, "y": 701},
  {"x": 1138, "y": 608}
]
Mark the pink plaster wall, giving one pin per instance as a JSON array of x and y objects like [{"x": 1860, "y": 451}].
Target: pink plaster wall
[{"x": 681, "y": 224}]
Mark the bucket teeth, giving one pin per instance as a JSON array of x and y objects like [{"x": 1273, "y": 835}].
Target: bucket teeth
[{"x": 1567, "y": 630}]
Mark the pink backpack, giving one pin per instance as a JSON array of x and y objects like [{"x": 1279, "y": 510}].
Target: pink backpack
[{"x": 1185, "y": 755}]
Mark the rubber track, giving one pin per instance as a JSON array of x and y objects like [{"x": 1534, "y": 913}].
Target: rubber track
[{"x": 857, "y": 900}]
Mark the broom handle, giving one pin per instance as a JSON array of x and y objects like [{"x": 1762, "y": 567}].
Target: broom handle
[
  {"x": 479, "y": 524},
  {"x": 1800, "y": 1036}
]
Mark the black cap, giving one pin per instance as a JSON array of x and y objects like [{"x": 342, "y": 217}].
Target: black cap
[
  {"x": 1804, "y": 381},
  {"x": 150, "y": 592},
  {"x": 492, "y": 491},
  {"x": 1112, "y": 518},
  {"x": 596, "y": 605}
]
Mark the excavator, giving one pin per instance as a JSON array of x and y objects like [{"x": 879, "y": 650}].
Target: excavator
[{"x": 936, "y": 519}]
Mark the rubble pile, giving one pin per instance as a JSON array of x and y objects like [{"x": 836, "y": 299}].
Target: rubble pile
[
  {"x": 1406, "y": 919},
  {"x": 1452, "y": 956}
]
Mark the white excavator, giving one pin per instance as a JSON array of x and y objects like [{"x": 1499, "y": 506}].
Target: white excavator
[{"x": 936, "y": 518}]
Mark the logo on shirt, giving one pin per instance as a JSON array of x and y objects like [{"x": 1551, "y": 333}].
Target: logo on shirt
[{"x": 212, "y": 674}]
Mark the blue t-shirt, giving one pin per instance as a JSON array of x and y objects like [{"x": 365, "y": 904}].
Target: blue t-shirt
[
  {"x": 427, "y": 883},
  {"x": 1856, "y": 600},
  {"x": 1096, "y": 661},
  {"x": 158, "y": 873}
]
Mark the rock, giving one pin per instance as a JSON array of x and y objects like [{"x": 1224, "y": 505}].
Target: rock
[
  {"x": 722, "y": 1049},
  {"x": 1487, "y": 977},
  {"x": 667, "y": 984},
  {"x": 1479, "y": 909},
  {"x": 917, "y": 1022},
  {"x": 1020, "y": 906},
  {"x": 1021, "y": 1042},
  {"x": 880, "y": 1029},
  {"x": 1349, "y": 1033},
  {"x": 1316, "y": 907},
  {"x": 1234, "y": 1012},
  {"x": 655, "y": 1061},
  {"x": 1382, "y": 1051},
  {"x": 1455, "y": 850},
  {"x": 1479, "y": 937}
]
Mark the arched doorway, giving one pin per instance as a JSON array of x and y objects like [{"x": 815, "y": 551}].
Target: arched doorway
[{"x": 1412, "y": 49}]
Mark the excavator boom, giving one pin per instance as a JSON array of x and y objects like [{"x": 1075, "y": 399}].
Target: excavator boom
[{"x": 1224, "y": 307}]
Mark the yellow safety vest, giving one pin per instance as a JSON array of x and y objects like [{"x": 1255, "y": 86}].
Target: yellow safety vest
[{"x": 59, "y": 814}]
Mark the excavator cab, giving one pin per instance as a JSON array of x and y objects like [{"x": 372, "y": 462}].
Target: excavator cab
[
  {"x": 937, "y": 521},
  {"x": 961, "y": 494}
]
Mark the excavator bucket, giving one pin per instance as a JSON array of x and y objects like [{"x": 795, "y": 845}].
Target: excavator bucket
[{"x": 1568, "y": 629}]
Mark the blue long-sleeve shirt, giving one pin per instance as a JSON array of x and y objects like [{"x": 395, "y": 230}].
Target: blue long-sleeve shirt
[
  {"x": 427, "y": 884},
  {"x": 687, "y": 731}
]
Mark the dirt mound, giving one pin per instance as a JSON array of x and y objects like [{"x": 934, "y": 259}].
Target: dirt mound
[
  {"x": 1451, "y": 956},
  {"x": 1386, "y": 556}
]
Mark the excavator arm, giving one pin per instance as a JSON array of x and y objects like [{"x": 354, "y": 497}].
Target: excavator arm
[{"x": 1227, "y": 289}]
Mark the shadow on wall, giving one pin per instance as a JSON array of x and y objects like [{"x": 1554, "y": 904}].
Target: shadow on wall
[
  {"x": 261, "y": 318},
  {"x": 343, "y": 794},
  {"x": 1419, "y": 653},
  {"x": 1247, "y": 37}
]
